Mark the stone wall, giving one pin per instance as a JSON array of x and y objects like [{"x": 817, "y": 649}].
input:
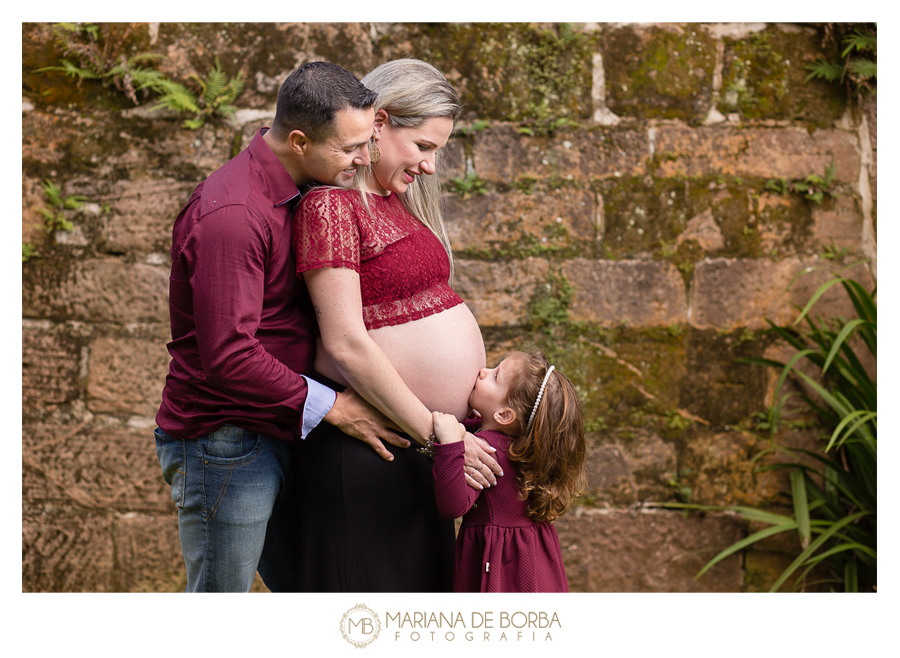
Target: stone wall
[{"x": 607, "y": 201}]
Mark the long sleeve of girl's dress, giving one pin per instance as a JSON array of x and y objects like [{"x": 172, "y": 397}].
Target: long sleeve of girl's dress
[{"x": 454, "y": 497}]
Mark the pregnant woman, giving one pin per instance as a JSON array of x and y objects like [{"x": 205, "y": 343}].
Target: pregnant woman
[{"x": 377, "y": 264}]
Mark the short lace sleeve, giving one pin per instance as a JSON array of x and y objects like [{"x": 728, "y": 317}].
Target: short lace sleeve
[{"x": 326, "y": 232}]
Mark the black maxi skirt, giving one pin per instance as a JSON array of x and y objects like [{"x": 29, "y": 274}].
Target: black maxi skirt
[{"x": 366, "y": 524}]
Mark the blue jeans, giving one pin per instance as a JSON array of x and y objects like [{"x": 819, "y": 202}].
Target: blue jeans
[{"x": 235, "y": 510}]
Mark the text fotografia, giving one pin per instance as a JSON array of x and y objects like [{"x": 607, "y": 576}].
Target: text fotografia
[{"x": 478, "y": 626}]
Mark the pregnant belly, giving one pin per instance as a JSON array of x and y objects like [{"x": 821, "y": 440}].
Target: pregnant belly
[{"x": 438, "y": 357}]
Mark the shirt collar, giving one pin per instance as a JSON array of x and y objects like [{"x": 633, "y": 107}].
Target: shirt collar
[{"x": 282, "y": 188}]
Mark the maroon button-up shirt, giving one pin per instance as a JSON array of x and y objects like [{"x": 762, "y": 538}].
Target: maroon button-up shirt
[{"x": 243, "y": 330}]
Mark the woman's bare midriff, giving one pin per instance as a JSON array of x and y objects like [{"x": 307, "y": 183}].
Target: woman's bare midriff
[{"x": 438, "y": 357}]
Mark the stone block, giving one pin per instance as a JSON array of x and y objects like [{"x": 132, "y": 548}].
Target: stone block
[
  {"x": 148, "y": 553},
  {"x": 662, "y": 71},
  {"x": 717, "y": 468},
  {"x": 502, "y": 155},
  {"x": 560, "y": 219},
  {"x": 629, "y": 470},
  {"x": 763, "y": 76},
  {"x": 838, "y": 223},
  {"x": 453, "y": 159},
  {"x": 92, "y": 466},
  {"x": 745, "y": 292},
  {"x": 641, "y": 293},
  {"x": 716, "y": 386},
  {"x": 68, "y": 553},
  {"x": 786, "y": 152},
  {"x": 126, "y": 375},
  {"x": 111, "y": 290},
  {"x": 647, "y": 551},
  {"x": 50, "y": 366},
  {"x": 143, "y": 212},
  {"x": 498, "y": 293}
]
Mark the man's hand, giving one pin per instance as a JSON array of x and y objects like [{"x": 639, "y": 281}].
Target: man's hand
[
  {"x": 480, "y": 465},
  {"x": 354, "y": 416}
]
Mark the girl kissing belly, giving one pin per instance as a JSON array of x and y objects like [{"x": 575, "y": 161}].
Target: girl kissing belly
[{"x": 438, "y": 357}]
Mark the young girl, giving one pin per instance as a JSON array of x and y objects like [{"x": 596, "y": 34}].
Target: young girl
[{"x": 531, "y": 414}]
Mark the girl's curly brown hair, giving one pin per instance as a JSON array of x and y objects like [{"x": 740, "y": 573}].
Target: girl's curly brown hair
[{"x": 550, "y": 456}]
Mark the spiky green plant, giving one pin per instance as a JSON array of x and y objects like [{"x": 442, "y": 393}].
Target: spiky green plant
[
  {"x": 217, "y": 93},
  {"x": 833, "y": 489},
  {"x": 55, "y": 218},
  {"x": 99, "y": 57}
]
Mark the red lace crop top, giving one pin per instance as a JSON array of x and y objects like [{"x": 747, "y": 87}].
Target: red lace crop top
[{"x": 403, "y": 268}]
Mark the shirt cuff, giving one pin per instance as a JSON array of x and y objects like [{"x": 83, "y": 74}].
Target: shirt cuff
[{"x": 319, "y": 401}]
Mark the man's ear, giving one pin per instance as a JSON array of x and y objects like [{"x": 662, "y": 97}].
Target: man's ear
[
  {"x": 505, "y": 416},
  {"x": 381, "y": 117},
  {"x": 298, "y": 142}
]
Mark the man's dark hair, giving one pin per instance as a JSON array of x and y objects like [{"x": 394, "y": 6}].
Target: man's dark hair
[{"x": 310, "y": 97}]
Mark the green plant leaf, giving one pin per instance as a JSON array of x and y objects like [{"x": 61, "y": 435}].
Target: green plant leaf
[
  {"x": 848, "y": 329},
  {"x": 801, "y": 508},
  {"x": 821, "y": 290},
  {"x": 861, "y": 416},
  {"x": 813, "y": 547},
  {"x": 860, "y": 41},
  {"x": 747, "y": 541},
  {"x": 830, "y": 71},
  {"x": 864, "y": 68}
]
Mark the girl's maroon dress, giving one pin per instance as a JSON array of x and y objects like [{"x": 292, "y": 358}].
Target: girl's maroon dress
[{"x": 498, "y": 549}]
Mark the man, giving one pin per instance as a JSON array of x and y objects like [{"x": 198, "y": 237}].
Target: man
[{"x": 243, "y": 335}]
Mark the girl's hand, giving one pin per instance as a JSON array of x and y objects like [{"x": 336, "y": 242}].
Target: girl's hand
[{"x": 446, "y": 428}]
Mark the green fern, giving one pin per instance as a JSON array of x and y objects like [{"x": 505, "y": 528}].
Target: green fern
[
  {"x": 860, "y": 41},
  {"x": 217, "y": 93},
  {"x": 826, "y": 70},
  {"x": 102, "y": 62},
  {"x": 864, "y": 68},
  {"x": 175, "y": 96},
  {"x": 54, "y": 218},
  {"x": 857, "y": 72}
]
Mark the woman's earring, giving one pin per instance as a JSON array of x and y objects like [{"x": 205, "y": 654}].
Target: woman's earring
[{"x": 374, "y": 151}]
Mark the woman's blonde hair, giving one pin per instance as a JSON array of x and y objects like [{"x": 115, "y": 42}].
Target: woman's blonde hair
[
  {"x": 412, "y": 91},
  {"x": 550, "y": 455}
]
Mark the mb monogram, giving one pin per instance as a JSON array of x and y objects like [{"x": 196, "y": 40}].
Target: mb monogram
[{"x": 360, "y": 626}]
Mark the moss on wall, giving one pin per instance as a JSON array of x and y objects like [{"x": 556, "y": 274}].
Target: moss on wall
[
  {"x": 659, "y": 72},
  {"x": 763, "y": 78}
]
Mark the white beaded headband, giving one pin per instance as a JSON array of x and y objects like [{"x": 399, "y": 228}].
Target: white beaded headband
[{"x": 540, "y": 394}]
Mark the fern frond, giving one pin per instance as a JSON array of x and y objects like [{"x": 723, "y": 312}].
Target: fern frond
[
  {"x": 860, "y": 41},
  {"x": 74, "y": 202},
  {"x": 864, "y": 68},
  {"x": 53, "y": 192},
  {"x": 227, "y": 110},
  {"x": 142, "y": 58},
  {"x": 193, "y": 124},
  {"x": 814, "y": 179},
  {"x": 216, "y": 82},
  {"x": 829, "y": 174},
  {"x": 65, "y": 27},
  {"x": 71, "y": 70},
  {"x": 146, "y": 77},
  {"x": 48, "y": 214},
  {"x": 830, "y": 71},
  {"x": 175, "y": 96}
]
